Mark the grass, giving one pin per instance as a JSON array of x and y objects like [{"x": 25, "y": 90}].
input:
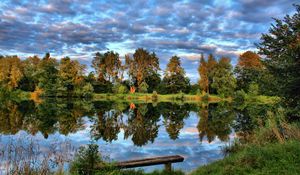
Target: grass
[
  {"x": 273, "y": 158},
  {"x": 149, "y": 98}
]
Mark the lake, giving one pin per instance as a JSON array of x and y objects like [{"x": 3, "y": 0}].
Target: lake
[{"x": 123, "y": 130}]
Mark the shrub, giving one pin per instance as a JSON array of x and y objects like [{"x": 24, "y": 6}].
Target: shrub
[
  {"x": 120, "y": 89},
  {"x": 87, "y": 90},
  {"x": 143, "y": 87},
  {"x": 86, "y": 160},
  {"x": 154, "y": 96}
]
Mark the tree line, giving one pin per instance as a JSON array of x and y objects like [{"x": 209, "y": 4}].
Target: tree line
[{"x": 68, "y": 77}]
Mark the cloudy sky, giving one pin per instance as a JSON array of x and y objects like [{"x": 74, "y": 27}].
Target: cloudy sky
[{"x": 79, "y": 28}]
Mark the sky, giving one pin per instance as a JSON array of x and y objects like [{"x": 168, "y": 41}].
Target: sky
[{"x": 186, "y": 28}]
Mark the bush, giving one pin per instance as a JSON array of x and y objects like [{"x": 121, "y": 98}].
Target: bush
[
  {"x": 205, "y": 97},
  {"x": 143, "y": 87},
  {"x": 120, "y": 89},
  {"x": 253, "y": 89},
  {"x": 87, "y": 90},
  {"x": 240, "y": 96},
  {"x": 86, "y": 160},
  {"x": 154, "y": 96}
]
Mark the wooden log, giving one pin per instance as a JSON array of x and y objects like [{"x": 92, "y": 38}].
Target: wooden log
[{"x": 167, "y": 160}]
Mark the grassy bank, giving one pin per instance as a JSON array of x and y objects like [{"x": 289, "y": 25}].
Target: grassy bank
[
  {"x": 151, "y": 98},
  {"x": 272, "y": 148},
  {"x": 272, "y": 158}
]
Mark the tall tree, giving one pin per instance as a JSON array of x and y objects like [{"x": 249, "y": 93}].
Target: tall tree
[
  {"x": 70, "y": 73},
  {"x": 30, "y": 79},
  {"x": 248, "y": 70},
  {"x": 141, "y": 66},
  {"x": 174, "y": 79},
  {"x": 223, "y": 80},
  {"x": 281, "y": 48},
  {"x": 48, "y": 75},
  {"x": 11, "y": 71},
  {"x": 211, "y": 64},
  {"x": 203, "y": 72},
  {"x": 107, "y": 65}
]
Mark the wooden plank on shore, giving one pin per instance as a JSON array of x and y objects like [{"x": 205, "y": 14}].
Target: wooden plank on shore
[{"x": 167, "y": 160}]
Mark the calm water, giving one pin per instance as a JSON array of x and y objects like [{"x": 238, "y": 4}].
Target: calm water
[{"x": 127, "y": 131}]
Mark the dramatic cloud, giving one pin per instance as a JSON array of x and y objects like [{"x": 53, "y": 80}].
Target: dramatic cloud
[{"x": 79, "y": 28}]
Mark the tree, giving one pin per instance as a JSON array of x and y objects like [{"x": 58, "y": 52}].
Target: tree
[
  {"x": 174, "y": 79},
  {"x": 248, "y": 70},
  {"x": 281, "y": 48},
  {"x": 48, "y": 75},
  {"x": 70, "y": 74},
  {"x": 223, "y": 80},
  {"x": 108, "y": 66},
  {"x": 30, "y": 80},
  {"x": 211, "y": 64},
  {"x": 11, "y": 71},
  {"x": 203, "y": 72},
  {"x": 142, "y": 66},
  {"x": 153, "y": 80}
]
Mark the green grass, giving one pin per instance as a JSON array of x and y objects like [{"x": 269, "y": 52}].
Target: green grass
[
  {"x": 262, "y": 99},
  {"x": 148, "y": 98},
  {"x": 272, "y": 158}
]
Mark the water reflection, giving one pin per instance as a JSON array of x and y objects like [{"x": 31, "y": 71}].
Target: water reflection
[{"x": 137, "y": 130}]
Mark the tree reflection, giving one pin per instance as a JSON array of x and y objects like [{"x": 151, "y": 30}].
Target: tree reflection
[
  {"x": 139, "y": 122},
  {"x": 108, "y": 122},
  {"x": 46, "y": 117},
  {"x": 215, "y": 121},
  {"x": 142, "y": 124},
  {"x": 173, "y": 115}
]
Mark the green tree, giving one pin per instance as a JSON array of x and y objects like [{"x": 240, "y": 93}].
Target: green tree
[
  {"x": 223, "y": 79},
  {"x": 70, "y": 74},
  {"x": 281, "y": 48},
  {"x": 48, "y": 75},
  {"x": 248, "y": 70},
  {"x": 174, "y": 79},
  {"x": 143, "y": 88},
  {"x": 30, "y": 79}
]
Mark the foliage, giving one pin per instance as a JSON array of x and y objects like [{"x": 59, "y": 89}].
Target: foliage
[
  {"x": 86, "y": 160},
  {"x": 223, "y": 80},
  {"x": 11, "y": 72},
  {"x": 174, "y": 79},
  {"x": 253, "y": 89},
  {"x": 120, "y": 89},
  {"x": 47, "y": 74},
  {"x": 108, "y": 66},
  {"x": 281, "y": 47},
  {"x": 142, "y": 65},
  {"x": 87, "y": 90},
  {"x": 154, "y": 96},
  {"x": 203, "y": 72},
  {"x": 143, "y": 87},
  {"x": 70, "y": 74}
]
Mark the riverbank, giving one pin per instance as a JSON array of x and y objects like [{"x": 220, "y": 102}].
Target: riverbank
[
  {"x": 271, "y": 149},
  {"x": 272, "y": 158}
]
